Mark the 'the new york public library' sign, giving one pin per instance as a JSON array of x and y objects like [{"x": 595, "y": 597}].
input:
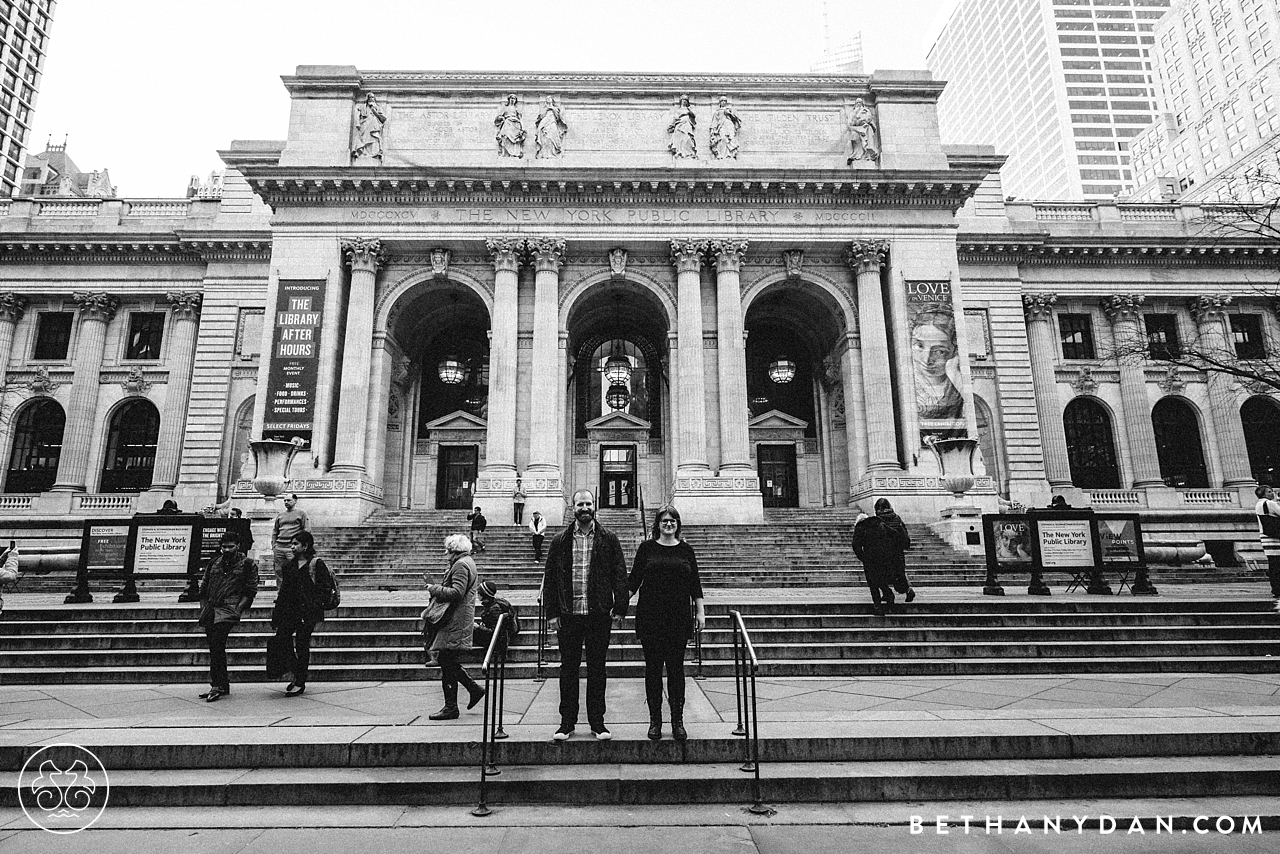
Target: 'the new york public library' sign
[
  {"x": 621, "y": 216},
  {"x": 295, "y": 356}
]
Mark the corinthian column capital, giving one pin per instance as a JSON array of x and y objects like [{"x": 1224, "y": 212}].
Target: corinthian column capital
[
  {"x": 506, "y": 253},
  {"x": 96, "y": 305},
  {"x": 1038, "y": 306},
  {"x": 185, "y": 304},
  {"x": 686, "y": 254},
  {"x": 866, "y": 256},
  {"x": 12, "y": 306},
  {"x": 1207, "y": 309},
  {"x": 728, "y": 254},
  {"x": 364, "y": 254},
  {"x": 1120, "y": 307},
  {"x": 547, "y": 253}
]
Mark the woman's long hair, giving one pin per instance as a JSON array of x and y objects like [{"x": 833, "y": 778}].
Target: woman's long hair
[
  {"x": 665, "y": 510},
  {"x": 308, "y": 541},
  {"x": 883, "y": 506}
]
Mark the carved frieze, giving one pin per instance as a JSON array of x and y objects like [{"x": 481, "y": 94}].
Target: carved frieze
[
  {"x": 364, "y": 254},
  {"x": 509, "y": 129},
  {"x": 42, "y": 382},
  {"x": 864, "y": 134}
]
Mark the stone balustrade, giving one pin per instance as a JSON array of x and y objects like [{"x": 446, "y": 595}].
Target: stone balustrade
[{"x": 1116, "y": 498}]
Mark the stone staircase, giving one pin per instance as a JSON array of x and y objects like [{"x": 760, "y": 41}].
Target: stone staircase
[{"x": 103, "y": 643}]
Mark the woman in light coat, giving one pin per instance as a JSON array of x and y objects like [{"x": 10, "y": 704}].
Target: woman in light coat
[{"x": 453, "y": 637}]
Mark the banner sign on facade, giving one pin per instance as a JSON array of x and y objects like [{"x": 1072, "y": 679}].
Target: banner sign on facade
[
  {"x": 935, "y": 360},
  {"x": 295, "y": 359}
]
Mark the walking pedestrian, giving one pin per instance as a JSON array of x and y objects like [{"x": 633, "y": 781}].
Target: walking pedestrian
[
  {"x": 665, "y": 574},
  {"x": 1268, "y": 513},
  {"x": 453, "y": 637},
  {"x": 478, "y": 524},
  {"x": 873, "y": 543},
  {"x": 300, "y": 605},
  {"x": 227, "y": 590},
  {"x": 902, "y": 542},
  {"x": 585, "y": 596},
  {"x": 537, "y": 531},
  {"x": 517, "y": 504}
]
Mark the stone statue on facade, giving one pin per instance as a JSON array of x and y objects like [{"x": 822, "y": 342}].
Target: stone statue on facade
[
  {"x": 550, "y": 130},
  {"x": 618, "y": 263},
  {"x": 725, "y": 125},
  {"x": 371, "y": 119},
  {"x": 864, "y": 134},
  {"x": 510, "y": 135},
  {"x": 682, "y": 128}
]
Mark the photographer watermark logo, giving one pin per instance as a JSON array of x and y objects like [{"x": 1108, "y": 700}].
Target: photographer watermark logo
[{"x": 63, "y": 788}]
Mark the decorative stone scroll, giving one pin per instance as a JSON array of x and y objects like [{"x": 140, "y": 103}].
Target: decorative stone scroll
[
  {"x": 371, "y": 121},
  {"x": 864, "y": 134},
  {"x": 725, "y": 125}
]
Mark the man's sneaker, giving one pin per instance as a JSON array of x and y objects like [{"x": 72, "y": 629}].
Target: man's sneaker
[
  {"x": 911, "y": 594},
  {"x": 564, "y": 732},
  {"x": 601, "y": 733}
]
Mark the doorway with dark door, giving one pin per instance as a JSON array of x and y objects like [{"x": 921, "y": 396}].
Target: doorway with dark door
[
  {"x": 779, "y": 483},
  {"x": 456, "y": 477},
  {"x": 617, "y": 476}
]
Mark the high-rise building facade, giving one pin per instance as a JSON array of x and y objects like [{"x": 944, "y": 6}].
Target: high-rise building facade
[
  {"x": 841, "y": 42},
  {"x": 24, "y": 30},
  {"x": 1060, "y": 86},
  {"x": 1217, "y": 64}
]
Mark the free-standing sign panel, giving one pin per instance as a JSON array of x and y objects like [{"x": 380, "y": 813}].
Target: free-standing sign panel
[
  {"x": 164, "y": 545},
  {"x": 104, "y": 545},
  {"x": 295, "y": 359},
  {"x": 1065, "y": 544}
]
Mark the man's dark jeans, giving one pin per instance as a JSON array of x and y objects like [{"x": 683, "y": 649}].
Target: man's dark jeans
[
  {"x": 217, "y": 635},
  {"x": 577, "y": 631}
]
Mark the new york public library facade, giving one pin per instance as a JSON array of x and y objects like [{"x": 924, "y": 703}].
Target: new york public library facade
[{"x": 734, "y": 292}]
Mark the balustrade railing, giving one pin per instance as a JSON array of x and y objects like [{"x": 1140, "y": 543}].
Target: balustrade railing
[
  {"x": 105, "y": 501},
  {"x": 1116, "y": 498},
  {"x": 1208, "y": 497},
  {"x": 16, "y": 502}
]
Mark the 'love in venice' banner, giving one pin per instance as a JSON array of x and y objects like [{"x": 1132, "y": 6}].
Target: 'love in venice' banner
[
  {"x": 935, "y": 360},
  {"x": 295, "y": 359}
]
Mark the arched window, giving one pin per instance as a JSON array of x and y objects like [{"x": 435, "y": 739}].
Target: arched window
[
  {"x": 1091, "y": 448},
  {"x": 37, "y": 447},
  {"x": 1178, "y": 444},
  {"x": 987, "y": 442},
  {"x": 131, "y": 448},
  {"x": 1261, "y": 418}
]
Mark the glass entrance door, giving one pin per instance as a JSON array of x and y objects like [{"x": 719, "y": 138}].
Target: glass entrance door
[
  {"x": 617, "y": 476},
  {"x": 456, "y": 477},
  {"x": 778, "y": 481}
]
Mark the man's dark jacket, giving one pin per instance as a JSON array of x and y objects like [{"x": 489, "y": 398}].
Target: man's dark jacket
[{"x": 606, "y": 578}]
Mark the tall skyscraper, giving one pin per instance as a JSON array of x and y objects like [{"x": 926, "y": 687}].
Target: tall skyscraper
[
  {"x": 1060, "y": 86},
  {"x": 1219, "y": 69},
  {"x": 24, "y": 30},
  {"x": 841, "y": 42}
]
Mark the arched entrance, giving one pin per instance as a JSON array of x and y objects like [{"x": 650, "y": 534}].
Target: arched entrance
[
  {"x": 793, "y": 333},
  {"x": 1091, "y": 447},
  {"x": 1178, "y": 444},
  {"x": 618, "y": 390},
  {"x": 37, "y": 447},
  {"x": 1260, "y": 416}
]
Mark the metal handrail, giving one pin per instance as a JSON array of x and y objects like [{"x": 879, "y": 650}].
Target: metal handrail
[
  {"x": 644, "y": 532},
  {"x": 494, "y": 695},
  {"x": 745, "y": 666},
  {"x": 542, "y": 634}
]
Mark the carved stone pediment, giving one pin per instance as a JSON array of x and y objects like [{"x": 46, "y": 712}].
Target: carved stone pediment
[
  {"x": 458, "y": 420},
  {"x": 776, "y": 420},
  {"x": 618, "y": 421}
]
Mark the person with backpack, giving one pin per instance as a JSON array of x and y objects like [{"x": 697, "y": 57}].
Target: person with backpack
[
  {"x": 902, "y": 540},
  {"x": 308, "y": 589},
  {"x": 489, "y": 611}
]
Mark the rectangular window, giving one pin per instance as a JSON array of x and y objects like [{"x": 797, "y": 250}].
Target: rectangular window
[
  {"x": 1162, "y": 336},
  {"x": 53, "y": 335},
  {"x": 1246, "y": 334},
  {"x": 146, "y": 330},
  {"x": 1076, "y": 333},
  {"x": 249, "y": 334}
]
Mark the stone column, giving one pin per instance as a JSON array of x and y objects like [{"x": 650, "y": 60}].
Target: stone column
[
  {"x": 867, "y": 258},
  {"x": 1038, "y": 309},
  {"x": 12, "y": 307},
  {"x": 1124, "y": 312},
  {"x": 185, "y": 306},
  {"x": 497, "y": 480},
  {"x": 1214, "y": 338},
  {"x": 734, "y": 414},
  {"x": 855, "y": 407},
  {"x": 691, "y": 426},
  {"x": 364, "y": 256},
  {"x": 542, "y": 480},
  {"x": 375, "y": 440},
  {"x": 96, "y": 311}
]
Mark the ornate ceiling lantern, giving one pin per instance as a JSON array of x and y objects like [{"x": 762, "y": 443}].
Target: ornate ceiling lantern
[
  {"x": 782, "y": 370},
  {"x": 617, "y": 397},
  {"x": 451, "y": 369},
  {"x": 617, "y": 368}
]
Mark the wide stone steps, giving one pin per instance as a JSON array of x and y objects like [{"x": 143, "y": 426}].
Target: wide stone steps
[
  {"x": 340, "y": 766},
  {"x": 163, "y": 644}
]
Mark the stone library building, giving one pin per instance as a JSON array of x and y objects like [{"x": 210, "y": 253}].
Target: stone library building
[{"x": 731, "y": 293}]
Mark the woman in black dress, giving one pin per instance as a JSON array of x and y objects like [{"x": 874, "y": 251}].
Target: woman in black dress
[
  {"x": 304, "y": 592},
  {"x": 665, "y": 573}
]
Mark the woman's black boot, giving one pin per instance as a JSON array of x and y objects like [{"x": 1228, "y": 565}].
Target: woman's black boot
[
  {"x": 447, "y": 713},
  {"x": 655, "y": 727}
]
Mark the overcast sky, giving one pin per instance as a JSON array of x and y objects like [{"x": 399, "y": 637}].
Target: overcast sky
[{"x": 151, "y": 89}]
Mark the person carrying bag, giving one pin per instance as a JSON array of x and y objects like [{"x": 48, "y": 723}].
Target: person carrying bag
[
  {"x": 447, "y": 625},
  {"x": 308, "y": 589}
]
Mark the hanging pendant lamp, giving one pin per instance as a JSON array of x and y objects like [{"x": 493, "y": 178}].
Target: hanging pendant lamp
[
  {"x": 451, "y": 369},
  {"x": 617, "y": 397},
  {"x": 782, "y": 370}
]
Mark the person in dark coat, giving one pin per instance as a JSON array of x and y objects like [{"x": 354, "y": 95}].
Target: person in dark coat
[
  {"x": 227, "y": 590},
  {"x": 665, "y": 573},
  {"x": 584, "y": 592},
  {"x": 306, "y": 589},
  {"x": 874, "y": 545},
  {"x": 478, "y": 524},
  {"x": 454, "y": 636},
  {"x": 903, "y": 541},
  {"x": 488, "y": 611}
]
